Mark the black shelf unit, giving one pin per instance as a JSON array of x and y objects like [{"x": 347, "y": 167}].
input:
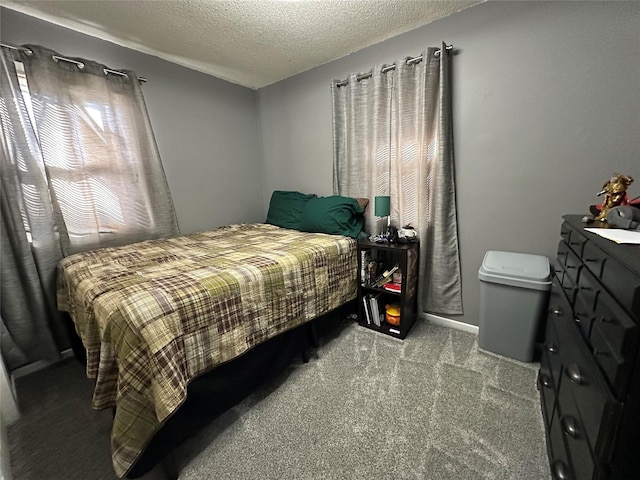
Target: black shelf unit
[{"x": 385, "y": 256}]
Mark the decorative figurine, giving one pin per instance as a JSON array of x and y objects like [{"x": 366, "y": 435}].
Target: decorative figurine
[{"x": 614, "y": 192}]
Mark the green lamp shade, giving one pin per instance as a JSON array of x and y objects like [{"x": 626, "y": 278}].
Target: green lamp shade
[{"x": 382, "y": 206}]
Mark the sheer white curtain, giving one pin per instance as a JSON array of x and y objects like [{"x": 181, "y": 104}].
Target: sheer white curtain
[
  {"x": 80, "y": 170},
  {"x": 393, "y": 136}
]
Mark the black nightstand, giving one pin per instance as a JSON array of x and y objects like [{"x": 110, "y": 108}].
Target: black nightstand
[{"x": 373, "y": 260}]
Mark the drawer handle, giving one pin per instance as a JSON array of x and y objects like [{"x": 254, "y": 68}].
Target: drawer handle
[
  {"x": 559, "y": 471},
  {"x": 579, "y": 317},
  {"x": 569, "y": 426},
  {"x": 544, "y": 380},
  {"x": 573, "y": 372}
]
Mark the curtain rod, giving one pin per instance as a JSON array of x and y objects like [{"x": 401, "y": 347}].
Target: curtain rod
[
  {"x": 80, "y": 65},
  {"x": 364, "y": 76}
]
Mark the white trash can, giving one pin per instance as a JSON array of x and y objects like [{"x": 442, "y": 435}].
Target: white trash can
[{"x": 514, "y": 291}]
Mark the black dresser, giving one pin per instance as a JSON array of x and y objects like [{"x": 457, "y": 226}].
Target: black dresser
[{"x": 589, "y": 377}]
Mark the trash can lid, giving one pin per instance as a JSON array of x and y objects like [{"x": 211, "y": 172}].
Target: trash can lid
[{"x": 516, "y": 269}]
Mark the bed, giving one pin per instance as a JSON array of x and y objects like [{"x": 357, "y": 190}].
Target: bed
[{"x": 156, "y": 315}]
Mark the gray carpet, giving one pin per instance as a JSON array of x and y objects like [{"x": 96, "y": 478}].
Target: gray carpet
[{"x": 432, "y": 407}]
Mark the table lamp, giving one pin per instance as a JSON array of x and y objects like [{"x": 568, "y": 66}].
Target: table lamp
[{"x": 382, "y": 208}]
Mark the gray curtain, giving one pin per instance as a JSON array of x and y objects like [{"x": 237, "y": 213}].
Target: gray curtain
[
  {"x": 80, "y": 170},
  {"x": 31, "y": 327},
  {"x": 392, "y": 133}
]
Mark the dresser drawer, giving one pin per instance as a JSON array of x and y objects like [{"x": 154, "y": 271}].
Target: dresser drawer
[
  {"x": 547, "y": 393},
  {"x": 623, "y": 285},
  {"x": 570, "y": 289},
  {"x": 549, "y": 373},
  {"x": 561, "y": 260},
  {"x": 614, "y": 341},
  {"x": 585, "y": 302},
  {"x": 550, "y": 361},
  {"x": 577, "y": 242},
  {"x": 558, "y": 458},
  {"x": 594, "y": 259},
  {"x": 583, "y": 391},
  {"x": 558, "y": 273},
  {"x": 575, "y": 440},
  {"x": 572, "y": 267},
  {"x": 559, "y": 310},
  {"x": 565, "y": 231},
  {"x": 563, "y": 250}
]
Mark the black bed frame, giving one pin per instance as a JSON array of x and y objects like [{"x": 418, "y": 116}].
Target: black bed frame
[{"x": 212, "y": 394}]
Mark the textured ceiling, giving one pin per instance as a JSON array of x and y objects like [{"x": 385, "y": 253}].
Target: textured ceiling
[{"x": 249, "y": 42}]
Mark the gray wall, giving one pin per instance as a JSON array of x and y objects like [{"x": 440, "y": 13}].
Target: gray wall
[
  {"x": 206, "y": 128},
  {"x": 546, "y": 108}
]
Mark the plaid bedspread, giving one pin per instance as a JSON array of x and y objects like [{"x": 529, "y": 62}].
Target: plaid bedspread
[{"x": 157, "y": 314}]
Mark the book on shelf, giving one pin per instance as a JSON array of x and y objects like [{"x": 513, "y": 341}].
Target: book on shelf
[
  {"x": 386, "y": 276},
  {"x": 366, "y": 308},
  {"x": 376, "y": 315},
  {"x": 372, "y": 272}
]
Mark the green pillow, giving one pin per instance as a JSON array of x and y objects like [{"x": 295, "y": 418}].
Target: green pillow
[
  {"x": 335, "y": 215},
  {"x": 285, "y": 209}
]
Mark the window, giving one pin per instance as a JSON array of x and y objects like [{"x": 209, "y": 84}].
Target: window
[{"x": 95, "y": 163}]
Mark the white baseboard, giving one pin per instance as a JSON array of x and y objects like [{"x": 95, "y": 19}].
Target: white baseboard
[
  {"x": 39, "y": 365},
  {"x": 447, "y": 322},
  {"x": 9, "y": 412}
]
